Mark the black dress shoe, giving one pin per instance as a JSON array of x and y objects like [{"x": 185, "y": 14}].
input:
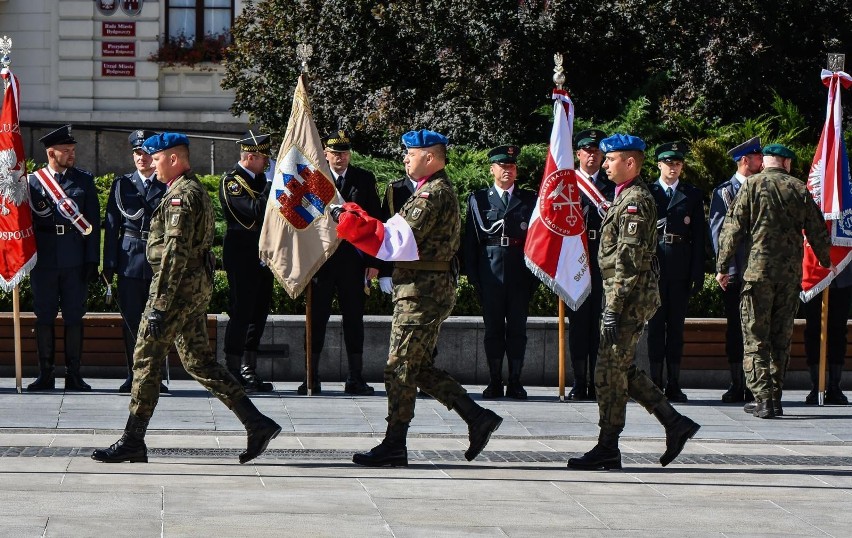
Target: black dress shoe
[
  {"x": 358, "y": 388},
  {"x": 493, "y": 390},
  {"x": 578, "y": 392},
  {"x": 674, "y": 394},
  {"x": 515, "y": 391},
  {"x": 164, "y": 389},
  {"x": 126, "y": 386},
  {"x": 303, "y": 389}
]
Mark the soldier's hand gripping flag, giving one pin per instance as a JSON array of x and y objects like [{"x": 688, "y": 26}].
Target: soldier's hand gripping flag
[
  {"x": 829, "y": 184},
  {"x": 298, "y": 235},
  {"x": 17, "y": 242},
  {"x": 556, "y": 249}
]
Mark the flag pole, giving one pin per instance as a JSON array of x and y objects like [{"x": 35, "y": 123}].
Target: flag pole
[
  {"x": 16, "y": 321},
  {"x": 562, "y": 350},
  {"x": 823, "y": 344},
  {"x": 304, "y": 52}
]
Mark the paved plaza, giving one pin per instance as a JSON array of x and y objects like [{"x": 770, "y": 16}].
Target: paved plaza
[{"x": 740, "y": 476}]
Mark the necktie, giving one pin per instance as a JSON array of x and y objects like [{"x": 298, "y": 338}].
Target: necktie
[
  {"x": 505, "y": 198},
  {"x": 669, "y": 192},
  {"x": 339, "y": 182},
  {"x": 58, "y": 177},
  {"x": 147, "y": 184}
]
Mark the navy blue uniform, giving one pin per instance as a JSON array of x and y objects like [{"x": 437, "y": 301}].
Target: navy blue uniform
[
  {"x": 584, "y": 332},
  {"x": 680, "y": 248},
  {"x": 243, "y": 200},
  {"x": 494, "y": 263},
  {"x": 128, "y": 219}
]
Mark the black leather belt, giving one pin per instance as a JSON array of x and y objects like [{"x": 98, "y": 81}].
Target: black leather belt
[
  {"x": 58, "y": 229},
  {"x": 136, "y": 234},
  {"x": 673, "y": 238},
  {"x": 503, "y": 242}
]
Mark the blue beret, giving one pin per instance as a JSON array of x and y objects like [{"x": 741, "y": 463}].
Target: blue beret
[
  {"x": 423, "y": 138},
  {"x": 779, "y": 151},
  {"x": 746, "y": 148},
  {"x": 164, "y": 141},
  {"x": 622, "y": 142}
]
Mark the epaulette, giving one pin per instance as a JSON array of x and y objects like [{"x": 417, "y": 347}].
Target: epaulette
[{"x": 84, "y": 171}]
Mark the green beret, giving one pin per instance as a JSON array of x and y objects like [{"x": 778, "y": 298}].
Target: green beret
[
  {"x": 673, "y": 151},
  {"x": 779, "y": 150},
  {"x": 504, "y": 154},
  {"x": 588, "y": 138}
]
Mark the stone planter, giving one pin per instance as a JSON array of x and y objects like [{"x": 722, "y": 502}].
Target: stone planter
[{"x": 197, "y": 87}]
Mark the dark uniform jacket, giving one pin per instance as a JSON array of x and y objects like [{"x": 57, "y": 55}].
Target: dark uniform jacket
[
  {"x": 128, "y": 220},
  {"x": 243, "y": 199},
  {"x": 359, "y": 186},
  {"x": 723, "y": 198},
  {"x": 59, "y": 244},
  {"x": 681, "y": 228},
  {"x": 396, "y": 194},
  {"x": 494, "y": 254}
]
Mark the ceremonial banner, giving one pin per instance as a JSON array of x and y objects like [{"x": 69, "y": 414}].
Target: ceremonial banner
[
  {"x": 17, "y": 242},
  {"x": 829, "y": 184},
  {"x": 298, "y": 235},
  {"x": 556, "y": 249}
]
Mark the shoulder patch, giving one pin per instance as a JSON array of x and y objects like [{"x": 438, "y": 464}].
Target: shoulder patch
[
  {"x": 415, "y": 213},
  {"x": 176, "y": 202},
  {"x": 233, "y": 187},
  {"x": 632, "y": 227}
]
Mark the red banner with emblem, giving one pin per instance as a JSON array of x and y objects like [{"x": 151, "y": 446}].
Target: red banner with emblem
[
  {"x": 298, "y": 235},
  {"x": 17, "y": 242}
]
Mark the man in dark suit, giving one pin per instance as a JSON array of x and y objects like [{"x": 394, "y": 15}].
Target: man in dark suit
[
  {"x": 584, "y": 323},
  {"x": 749, "y": 160},
  {"x": 680, "y": 248},
  {"x": 347, "y": 273},
  {"x": 132, "y": 199},
  {"x": 496, "y": 229},
  {"x": 66, "y": 221},
  {"x": 243, "y": 192}
]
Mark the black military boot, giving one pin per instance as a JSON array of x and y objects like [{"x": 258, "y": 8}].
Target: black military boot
[
  {"x": 355, "y": 384},
  {"x": 679, "y": 430},
  {"x": 813, "y": 396},
  {"x": 495, "y": 380},
  {"x": 248, "y": 374},
  {"x": 736, "y": 392},
  {"x": 73, "y": 352},
  {"x": 46, "y": 379},
  {"x": 604, "y": 456},
  {"x": 130, "y": 447},
  {"x": 129, "y": 344},
  {"x": 673, "y": 392},
  {"x": 391, "y": 452},
  {"x": 579, "y": 390},
  {"x": 833, "y": 394},
  {"x": 481, "y": 423},
  {"x": 316, "y": 387},
  {"x": 514, "y": 389},
  {"x": 655, "y": 370},
  {"x": 260, "y": 429}
]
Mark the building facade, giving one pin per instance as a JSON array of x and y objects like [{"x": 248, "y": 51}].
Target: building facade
[{"x": 88, "y": 63}]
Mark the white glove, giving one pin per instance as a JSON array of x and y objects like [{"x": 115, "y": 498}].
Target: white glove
[{"x": 386, "y": 285}]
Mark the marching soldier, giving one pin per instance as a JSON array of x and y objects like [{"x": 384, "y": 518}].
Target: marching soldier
[
  {"x": 243, "y": 193},
  {"x": 680, "y": 248},
  {"x": 66, "y": 221},
  {"x": 627, "y": 251},
  {"x": 584, "y": 332},
  {"x": 347, "y": 273},
  {"x": 768, "y": 216},
  {"x": 132, "y": 200},
  {"x": 396, "y": 194},
  {"x": 749, "y": 160},
  {"x": 496, "y": 229},
  {"x": 178, "y": 249}
]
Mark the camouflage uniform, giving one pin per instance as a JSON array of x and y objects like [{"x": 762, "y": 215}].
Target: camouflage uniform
[
  {"x": 769, "y": 213},
  {"x": 178, "y": 248},
  {"x": 423, "y": 298},
  {"x": 627, "y": 246}
]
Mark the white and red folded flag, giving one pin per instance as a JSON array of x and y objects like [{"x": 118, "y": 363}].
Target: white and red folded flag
[
  {"x": 556, "y": 250},
  {"x": 17, "y": 242},
  {"x": 298, "y": 235},
  {"x": 830, "y": 185},
  {"x": 391, "y": 241}
]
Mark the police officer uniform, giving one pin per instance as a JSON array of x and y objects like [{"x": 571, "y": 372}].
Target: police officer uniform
[
  {"x": 243, "y": 195},
  {"x": 723, "y": 197},
  {"x": 343, "y": 273},
  {"x": 584, "y": 323},
  {"x": 495, "y": 233},
  {"x": 132, "y": 201},
  {"x": 681, "y": 230},
  {"x": 67, "y": 261}
]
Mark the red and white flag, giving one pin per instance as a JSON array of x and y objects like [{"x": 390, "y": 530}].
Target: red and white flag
[
  {"x": 556, "y": 250},
  {"x": 298, "y": 235},
  {"x": 17, "y": 242},
  {"x": 829, "y": 184}
]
